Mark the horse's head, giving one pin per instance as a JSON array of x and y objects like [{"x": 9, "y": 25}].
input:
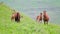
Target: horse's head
[
  {"x": 40, "y": 13},
  {"x": 17, "y": 13},
  {"x": 44, "y": 12}
]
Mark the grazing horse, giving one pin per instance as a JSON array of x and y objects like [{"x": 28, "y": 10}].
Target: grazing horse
[
  {"x": 39, "y": 18},
  {"x": 45, "y": 17},
  {"x": 16, "y": 16}
]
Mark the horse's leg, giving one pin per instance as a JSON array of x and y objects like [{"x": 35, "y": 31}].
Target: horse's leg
[
  {"x": 47, "y": 22},
  {"x": 44, "y": 22},
  {"x": 41, "y": 21},
  {"x": 11, "y": 18},
  {"x": 38, "y": 20},
  {"x": 19, "y": 19}
]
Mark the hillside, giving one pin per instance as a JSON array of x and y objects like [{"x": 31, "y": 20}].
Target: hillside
[{"x": 26, "y": 26}]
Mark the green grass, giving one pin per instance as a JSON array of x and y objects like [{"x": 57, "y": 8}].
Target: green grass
[{"x": 26, "y": 26}]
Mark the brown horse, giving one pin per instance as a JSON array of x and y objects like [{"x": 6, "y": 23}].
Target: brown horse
[
  {"x": 39, "y": 18},
  {"x": 45, "y": 17},
  {"x": 16, "y": 16}
]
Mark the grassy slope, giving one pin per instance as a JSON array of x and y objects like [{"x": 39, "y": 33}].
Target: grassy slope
[{"x": 26, "y": 26}]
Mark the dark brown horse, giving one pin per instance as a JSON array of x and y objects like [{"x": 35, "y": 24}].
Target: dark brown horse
[
  {"x": 17, "y": 17},
  {"x": 39, "y": 18},
  {"x": 45, "y": 17}
]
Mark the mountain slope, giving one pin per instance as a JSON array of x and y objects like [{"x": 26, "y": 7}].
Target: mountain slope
[{"x": 26, "y": 26}]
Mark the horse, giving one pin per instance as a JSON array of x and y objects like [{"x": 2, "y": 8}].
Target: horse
[
  {"x": 16, "y": 16},
  {"x": 45, "y": 17},
  {"x": 39, "y": 18}
]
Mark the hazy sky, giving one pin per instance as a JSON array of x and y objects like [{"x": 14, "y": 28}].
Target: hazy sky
[{"x": 26, "y": 4}]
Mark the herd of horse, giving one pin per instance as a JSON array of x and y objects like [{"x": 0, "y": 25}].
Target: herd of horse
[
  {"x": 15, "y": 16},
  {"x": 42, "y": 16}
]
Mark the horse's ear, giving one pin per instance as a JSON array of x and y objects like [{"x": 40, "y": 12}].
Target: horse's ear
[{"x": 40, "y": 13}]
